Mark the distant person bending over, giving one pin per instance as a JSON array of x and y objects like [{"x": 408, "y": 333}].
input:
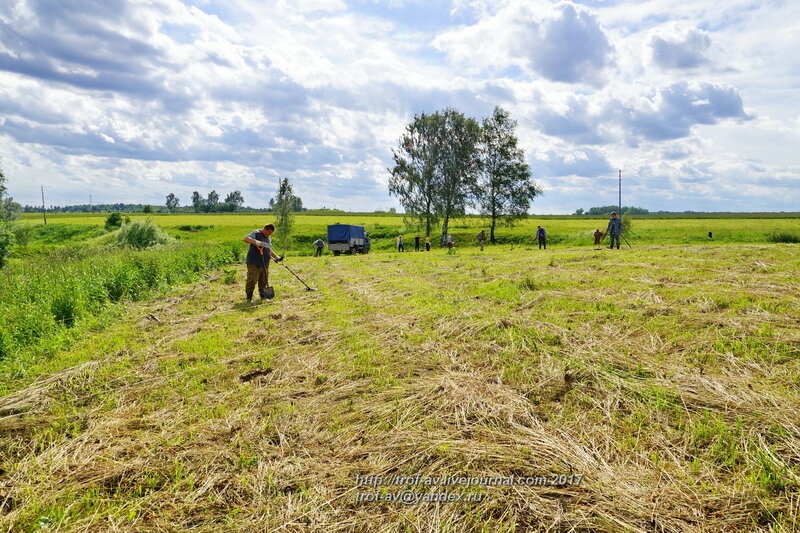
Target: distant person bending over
[
  {"x": 710, "y": 235},
  {"x": 400, "y": 243},
  {"x": 427, "y": 243},
  {"x": 319, "y": 244},
  {"x": 614, "y": 229},
  {"x": 598, "y": 236},
  {"x": 541, "y": 234},
  {"x": 482, "y": 238},
  {"x": 416, "y": 243},
  {"x": 451, "y": 245},
  {"x": 258, "y": 256}
]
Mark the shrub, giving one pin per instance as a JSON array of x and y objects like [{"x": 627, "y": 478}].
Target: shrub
[
  {"x": 114, "y": 220},
  {"x": 193, "y": 227},
  {"x": 229, "y": 276},
  {"x": 237, "y": 251},
  {"x": 783, "y": 236},
  {"x": 22, "y": 233},
  {"x": 141, "y": 234},
  {"x": 6, "y": 244},
  {"x": 627, "y": 225}
]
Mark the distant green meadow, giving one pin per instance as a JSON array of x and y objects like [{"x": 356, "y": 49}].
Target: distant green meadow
[{"x": 384, "y": 228}]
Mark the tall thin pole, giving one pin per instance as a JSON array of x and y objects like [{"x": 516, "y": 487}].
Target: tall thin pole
[
  {"x": 620, "y": 193},
  {"x": 90, "y": 203},
  {"x": 44, "y": 209}
]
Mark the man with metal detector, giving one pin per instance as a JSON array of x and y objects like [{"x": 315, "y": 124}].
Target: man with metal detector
[
  {"x": 258, "y": 257},
  {"x": 614, "y": 229},
  {"x": 541, "y": 235}
]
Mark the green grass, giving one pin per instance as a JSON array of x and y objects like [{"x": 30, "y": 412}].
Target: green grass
[
  {"x": 47, "y": 302},
  {"x": 562, "y": 230}
]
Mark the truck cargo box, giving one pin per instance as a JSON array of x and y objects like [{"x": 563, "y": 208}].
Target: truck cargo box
[{"x": 348, "y": 239}]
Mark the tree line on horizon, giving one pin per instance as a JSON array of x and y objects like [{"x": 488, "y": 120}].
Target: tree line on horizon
[
  {"x": 446, "y": 163},
  {"x": 233, "y": 202},
  {"x": 607, "y": 209}
]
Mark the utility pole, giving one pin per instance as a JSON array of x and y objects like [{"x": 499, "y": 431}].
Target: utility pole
[
  {"x": 620, "y": 193},
  {"x": 44, "y": 209},
  {"x": 90, "y": 203}
]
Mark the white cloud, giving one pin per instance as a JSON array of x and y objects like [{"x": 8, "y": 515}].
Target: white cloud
[
  {"x": 677, "y": 47},
  {"x": 563, "y": 42}
]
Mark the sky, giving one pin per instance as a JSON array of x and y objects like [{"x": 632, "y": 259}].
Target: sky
[{"x": 697, "y": 103}]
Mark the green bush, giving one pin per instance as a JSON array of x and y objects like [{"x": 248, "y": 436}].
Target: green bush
[
  {"x": 236, "y": 250},
  {"x": 114, "y": 220},
  {"x": 229, "y": 276},
  {"x": 783, "y": 236},
  {"x": 23, "y": 233},
  {"x": 193, "y": 227},
  {"x": 627, "y": 225},
  {"x": 141, "y": 234},
  {"x": 7, "y": 240}
]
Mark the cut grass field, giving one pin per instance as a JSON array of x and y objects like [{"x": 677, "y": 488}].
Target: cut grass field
[{"x": 667, "y": 377}]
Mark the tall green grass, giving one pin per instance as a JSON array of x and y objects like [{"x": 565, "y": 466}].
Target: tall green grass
[
  {"x": 63, "y": 290},
  {"x": 784, "y": 236}
]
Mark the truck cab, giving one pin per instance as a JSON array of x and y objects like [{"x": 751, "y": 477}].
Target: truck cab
[{"x": 348, "y": 239}]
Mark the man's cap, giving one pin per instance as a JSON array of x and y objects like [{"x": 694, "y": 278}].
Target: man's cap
[{"x": 613, "y": 212}]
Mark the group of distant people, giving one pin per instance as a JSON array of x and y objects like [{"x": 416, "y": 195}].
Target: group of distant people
[
  {"x": 417, "y": 242},
  {"x": 260, "y": 252},
  {"x": 614, "y": 229}
]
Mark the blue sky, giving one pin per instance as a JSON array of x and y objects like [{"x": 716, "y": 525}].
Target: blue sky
[{"x": 698, "y": 103}]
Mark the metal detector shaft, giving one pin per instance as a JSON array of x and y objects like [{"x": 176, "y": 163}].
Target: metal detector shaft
[
  {"x": 626, "y": 240},
  {"x": 298, "y": 278}
]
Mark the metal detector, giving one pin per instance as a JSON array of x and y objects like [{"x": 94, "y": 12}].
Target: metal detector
[{"x": 308, "y": 289}]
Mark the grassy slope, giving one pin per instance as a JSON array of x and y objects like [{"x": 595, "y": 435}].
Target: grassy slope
[{"x": 668, "y": 376}]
